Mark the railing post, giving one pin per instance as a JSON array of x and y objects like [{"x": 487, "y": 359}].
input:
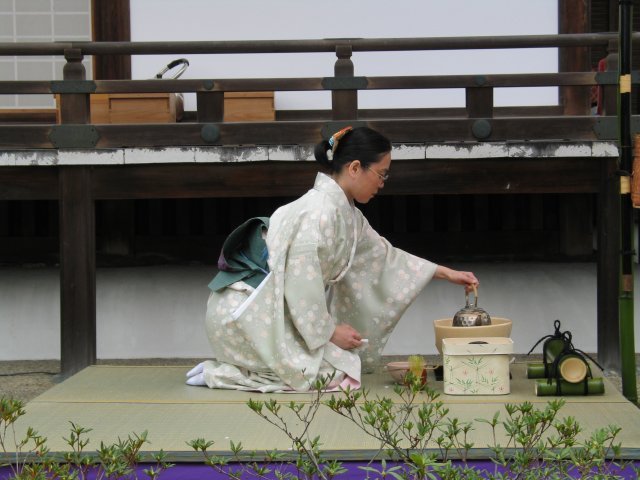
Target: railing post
[
  {"x": 210, "y": 106},
  {"x": 344, "y": 103},
  {"x": 77, "y": 240},
  {"x": 74, "y": 107},
  {"x": 479, "y": 101},
  {"x": 479, "y": 105}
]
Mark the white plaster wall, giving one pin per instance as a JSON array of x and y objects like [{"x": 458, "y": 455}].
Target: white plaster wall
[
  {"x": 162, "y": 20},
  {"x": 40, "y": 21},
  {"x": 149, "y": 312}
]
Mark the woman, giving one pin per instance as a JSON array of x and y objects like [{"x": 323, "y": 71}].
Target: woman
[{"x": 335, "y": 288}]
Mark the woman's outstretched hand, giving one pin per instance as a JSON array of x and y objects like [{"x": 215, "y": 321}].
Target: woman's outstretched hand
[
  {"x": 468, "y": 279},
  {"x": 346, "y": 337}
]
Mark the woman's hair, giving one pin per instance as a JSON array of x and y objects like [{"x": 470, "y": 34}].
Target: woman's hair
[{"x": 360, "y": 143}]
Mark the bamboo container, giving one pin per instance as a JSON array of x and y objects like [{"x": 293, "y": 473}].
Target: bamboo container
[
  {"x": 553, "y": 348},
  {"x": 572, "y": 368},
  {"x": 544, "y": 388},
  {"x": 535, "y": 370}
]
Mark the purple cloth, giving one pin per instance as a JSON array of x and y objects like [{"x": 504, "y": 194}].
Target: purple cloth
[{"x": 199, "y": 471}]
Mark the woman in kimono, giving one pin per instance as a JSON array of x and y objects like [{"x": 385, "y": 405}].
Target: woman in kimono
[{"x": 332, "y": 289}]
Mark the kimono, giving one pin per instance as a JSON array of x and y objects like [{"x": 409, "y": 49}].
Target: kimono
[{"x": 326, "y": 266}]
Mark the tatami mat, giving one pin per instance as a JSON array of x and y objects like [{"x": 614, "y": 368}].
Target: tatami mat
[
  {"x": 157, "y": 385},
  {"x": 115, "y": 401}
]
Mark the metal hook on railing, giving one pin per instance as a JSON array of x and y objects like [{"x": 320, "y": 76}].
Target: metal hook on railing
[{"x": 180, "y": 61}]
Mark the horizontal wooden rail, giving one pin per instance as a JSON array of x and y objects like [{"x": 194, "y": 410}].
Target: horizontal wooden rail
[
  {"x": 310, "y": 46},
  {"x": 587, "y": 128},
  {"x": 313, "y": 84}
]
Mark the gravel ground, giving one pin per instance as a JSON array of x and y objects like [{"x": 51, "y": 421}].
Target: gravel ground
[{"x": 26, "y": 379}]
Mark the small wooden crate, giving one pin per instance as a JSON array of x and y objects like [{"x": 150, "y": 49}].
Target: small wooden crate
[
  {"x": 136, "y": 108},
  {"x": 169, "y": 107},
  {"x": 249, "y": 107},
  {"x": 133, "y": 107}
]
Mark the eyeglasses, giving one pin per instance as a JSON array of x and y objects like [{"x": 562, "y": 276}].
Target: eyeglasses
[{"x": 382, "y": 177}]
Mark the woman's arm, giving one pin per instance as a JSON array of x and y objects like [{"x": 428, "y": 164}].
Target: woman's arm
[{"x": 468, "y": 279}]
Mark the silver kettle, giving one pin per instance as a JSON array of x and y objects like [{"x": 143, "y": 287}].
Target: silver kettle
[{"x": 471, "y": 316}]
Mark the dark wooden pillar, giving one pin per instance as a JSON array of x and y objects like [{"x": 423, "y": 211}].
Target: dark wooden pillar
[
  {"x": 77, "y": 240},
  {"x": 344, "y": 102},
  {"x": 609, "y": 266},
  {"x": 111, "y": 22},
  {"x": 77, "y": 270},
  {"x": 609, "y": 224},
  {"x": 573, "y": 17}
]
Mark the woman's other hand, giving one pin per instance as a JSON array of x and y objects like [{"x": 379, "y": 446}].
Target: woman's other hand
[{"x": 346, "y": 337}]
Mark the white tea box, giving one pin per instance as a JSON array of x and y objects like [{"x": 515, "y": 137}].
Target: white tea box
[{"x": 476, "y": 366}]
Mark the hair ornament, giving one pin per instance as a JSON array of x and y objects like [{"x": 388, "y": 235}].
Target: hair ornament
[
  {"x": 335, "y": 138},
  {"x": 330, "y": 155}
]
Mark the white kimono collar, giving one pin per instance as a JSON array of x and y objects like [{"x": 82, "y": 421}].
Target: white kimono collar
[{"x": 324, "y": 183}]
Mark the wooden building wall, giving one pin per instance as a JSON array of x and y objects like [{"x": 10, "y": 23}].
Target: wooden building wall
[{"x": 449, "y": 227}]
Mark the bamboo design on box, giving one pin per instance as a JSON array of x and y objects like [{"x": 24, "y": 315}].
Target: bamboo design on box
[{"x": 473, "y": 375}]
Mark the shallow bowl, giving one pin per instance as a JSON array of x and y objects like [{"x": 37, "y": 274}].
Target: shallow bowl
[
  {"x": 500, "y": 327},
  {"x": 398, "y": 371}
]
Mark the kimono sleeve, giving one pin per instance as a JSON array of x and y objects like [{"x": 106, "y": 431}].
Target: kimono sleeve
[
  {"x": 380, "y": 285},
  {"x": 305, "y": 298}
]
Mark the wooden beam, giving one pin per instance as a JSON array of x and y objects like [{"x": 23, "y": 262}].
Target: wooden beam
[
  {"x": 29, "y": 183},
  {"x": 260, "y": 179},
  {"x": 433, "y": 130},
  {"x": 340, "y": 83},
  {"x": 77, "y": 270},
  {"x": 269, "y": 179}
]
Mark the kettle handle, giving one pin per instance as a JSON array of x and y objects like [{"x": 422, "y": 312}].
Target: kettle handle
[{"x": 475, "y": 294}]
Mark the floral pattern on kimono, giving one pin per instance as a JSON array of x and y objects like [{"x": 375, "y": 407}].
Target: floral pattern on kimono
[{"x": 328, "y": 266}]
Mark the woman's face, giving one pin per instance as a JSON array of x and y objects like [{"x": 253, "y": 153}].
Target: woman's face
[{"x": 370, "y": 179}]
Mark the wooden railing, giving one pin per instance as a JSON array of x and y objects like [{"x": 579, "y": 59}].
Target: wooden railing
[{"x": 480, "y": 120}]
